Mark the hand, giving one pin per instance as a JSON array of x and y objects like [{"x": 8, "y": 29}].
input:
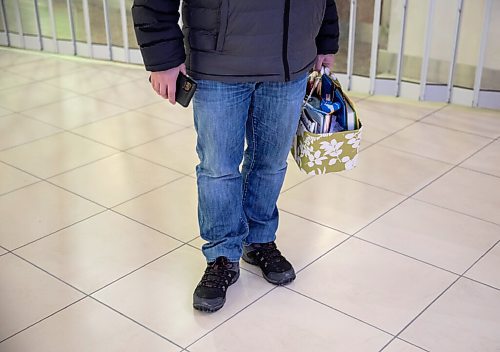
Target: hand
[
  {"x": 324, "y": 60},
  {"x": 163, "y": 82}
]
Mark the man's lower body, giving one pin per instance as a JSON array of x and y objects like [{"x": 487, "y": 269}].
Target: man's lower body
[{"x": 237, "y": 210}]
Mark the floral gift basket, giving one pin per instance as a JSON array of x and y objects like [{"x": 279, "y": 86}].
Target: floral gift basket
[{"x": 329, "y": 130}]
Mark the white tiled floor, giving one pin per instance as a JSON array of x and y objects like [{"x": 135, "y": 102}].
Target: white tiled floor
[{"x": 99, "y": 245}]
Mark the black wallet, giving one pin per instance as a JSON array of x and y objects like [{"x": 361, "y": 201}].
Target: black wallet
[{"x": 184, "y": 91}]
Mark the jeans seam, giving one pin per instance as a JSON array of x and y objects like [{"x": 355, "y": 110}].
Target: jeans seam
[{"x": 250, "y": 168}]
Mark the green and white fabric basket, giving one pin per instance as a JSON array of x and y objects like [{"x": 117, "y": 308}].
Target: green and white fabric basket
[{"x": 321, "y": 153}]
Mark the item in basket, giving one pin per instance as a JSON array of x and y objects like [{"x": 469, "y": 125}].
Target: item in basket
[
  {"x": 327, "y": 88},
  {"x": 308, "y": 122},
  {"x": 329, "y": 106},
  {"x": 335, "y": 127},
  {"x": 326, "y": 123},
  {"x": 315, "y": 102},
  {"x": 351, "y": 117},
  {"x": 341, "y": 113},
  {"x": 316, "y": 115}
]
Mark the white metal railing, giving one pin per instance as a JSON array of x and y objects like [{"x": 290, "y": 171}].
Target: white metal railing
[{"x": 14, "y": 34}]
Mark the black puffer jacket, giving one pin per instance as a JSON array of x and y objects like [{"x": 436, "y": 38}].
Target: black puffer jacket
[{"x": 236, "y": 40}]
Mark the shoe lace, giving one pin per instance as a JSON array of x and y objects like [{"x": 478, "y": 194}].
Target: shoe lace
[
  {"x": 217, "y": 275},
  {"x": 270, "y": 256}
]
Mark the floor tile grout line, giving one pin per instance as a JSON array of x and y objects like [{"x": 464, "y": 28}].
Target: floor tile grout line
[
  {"x": 387, "y": 147},
  {"x": 419, "y": 190},
  {"x": 470, "y": 156},
  {"x": 21, "y": 187},
  {"x": 406, "y": 255},
  {"x": 337, "y": 310},
  {"x": 58, "y": 57},
  {"x": 324, "y": 254},
  {"x": 315, "y": 222},
  {"x": 135, "y": 321},
  {"x": 122, "y": 106},
  {"x": 478, "y": 259},
  {"x": 180, "y": 245},
  {"x": 373, "y": 243},
  {"x": 117, "y": 212},
  {"x": 56, "y": 231},
  {"x": 177, "y": 178},
  {"x": 481, "y": 283},
  {"x": 72, "y": 128},
  {"x": 426, "y": 156},
  {"x": 25, "y": 54},
  {"x": 478, "y": 171},
  {"x": 89, "y": 95},
  {"x": 408, "y": 153},
  {"x": 408, "y": 342},
  {"x": 30, "y": 141},
  {"x": 150, "y": 227},
  {"x": 48, "y": 273},
  {"x": 40, "y": 80},
  {"x": 5, "y": 249},
  {"x": 455, "y": 211},
  {"x": 118, "y": 151},
  {"x": 128, "y": 79},
  {"x": 157, "y": 138},
  {"x": 232, "y": 316},
  {"x": 160, "y": 118},
  {"x": 405, "y": 127},
  {"x": 446, "y": 289},
  {"x": 41, "y": 320},
  {"x": 456, "y": 130},
  {"x": 105, "y": 208},
  {"x": 86, "y": 164},
  {"x": 380, "y": 216},
  {"x": 421, "y": 312},
  {"x": 89, "y": 294}
]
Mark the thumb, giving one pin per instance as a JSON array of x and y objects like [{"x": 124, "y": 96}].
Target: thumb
[{"x": 183, "y": 69}]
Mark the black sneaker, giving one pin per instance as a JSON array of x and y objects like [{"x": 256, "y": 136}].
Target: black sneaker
[
  {"x": 275, "y": 268},
  {"x": 210, "y": 294}
]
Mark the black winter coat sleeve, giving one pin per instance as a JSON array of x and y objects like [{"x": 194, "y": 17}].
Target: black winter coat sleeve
[
  {"x": 158, "y": 33},
  {"x": 327, "y": 40}
]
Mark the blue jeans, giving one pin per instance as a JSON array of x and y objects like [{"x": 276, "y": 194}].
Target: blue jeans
[{"x": 236, "y": 208}]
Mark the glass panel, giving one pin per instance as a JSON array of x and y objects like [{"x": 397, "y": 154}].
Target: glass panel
[
  {"x": 132, "y": 41},
  {"x": 469, "y": 43},
  {"x": 363, "y": 38},
  {"x": 491, "y": 70},
  {"x": 115, "y": 22},
  {"x": 10, "y": 14},
  {"x": 2, "y": 24},
  {"x": 389, "y": 38},
  {"x": 28, "y": 17},
  {"x": 45, "y": 23},
  {"x": 79, "y": 21},
  {"x": 413, "y": 51},
  {"x": 63, "y": 29},
  {"x": 97, "y": 22},
  {"x": 343, "y": 10},
  {"x": 442, "y": 41}
]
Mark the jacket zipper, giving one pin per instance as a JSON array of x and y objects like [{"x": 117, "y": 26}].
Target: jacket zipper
[{"x": 286, "y": 20}]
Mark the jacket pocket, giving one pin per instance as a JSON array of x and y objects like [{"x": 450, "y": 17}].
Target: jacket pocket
[{"x": 223, "y": 19}]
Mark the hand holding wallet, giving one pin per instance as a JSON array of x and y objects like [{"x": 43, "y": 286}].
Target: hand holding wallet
[{"x": 184, "y": 89}]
